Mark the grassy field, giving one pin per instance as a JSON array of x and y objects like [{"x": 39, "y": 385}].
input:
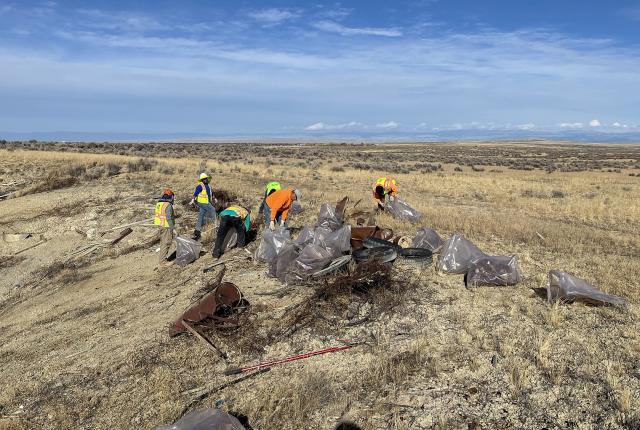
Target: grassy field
[{"x": 84, "y": 343}]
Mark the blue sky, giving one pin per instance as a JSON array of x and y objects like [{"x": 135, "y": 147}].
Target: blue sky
[{"x": 288, "y": 68}]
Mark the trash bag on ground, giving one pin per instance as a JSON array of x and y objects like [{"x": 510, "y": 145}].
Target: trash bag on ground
[
  {"x": 287, "y": 255},
  {"x": 328, "y": 217},
  {"x": 296, "y": 208},
  {"x": 399, "y": 209},
  {"x": 568, "y": 288},
  {"x": 187, "y": 250},
  {"x": 306, "y": 236},
  {"x": 311, "y": 259},
  {"x": 501, "y": 271},
  {"x": 271, "y": 243},
  {"x": 339, "y": 241},
  {"x": 205, "y": 419},
  {"x": 429, "y": 239},
  {"x": 457, "y": 255}
]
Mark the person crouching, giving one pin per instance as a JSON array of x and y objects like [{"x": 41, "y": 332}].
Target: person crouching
[{"x": 234, "y": 217}]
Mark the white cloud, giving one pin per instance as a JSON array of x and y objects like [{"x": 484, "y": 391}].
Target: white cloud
[
  {"x": 273, "y": 16},
  {"x": 334, "y": 27},
  {"x": 528, "y": 126},
  {"x": 316, "y": 126},
  {"x": 594, "y": 123},
  {"x": 122, "y": 21},
  {"x": 571, "y": 125},
  {"x": 336, "y": 13},
  {"x": 388, "y": 124},
  {"x": 346, "y": 125}
]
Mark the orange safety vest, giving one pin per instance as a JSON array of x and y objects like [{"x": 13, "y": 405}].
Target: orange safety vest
[{"x": 160, "y": 216}]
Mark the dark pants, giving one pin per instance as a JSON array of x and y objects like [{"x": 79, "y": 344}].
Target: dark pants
[{"x": 226, "y": 224}]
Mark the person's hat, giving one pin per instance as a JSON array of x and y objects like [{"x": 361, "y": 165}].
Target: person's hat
[
  {"x": 204, "y": 176},
  {"x": 167, "y": 192},
  {"x": 298, "y": 194}
]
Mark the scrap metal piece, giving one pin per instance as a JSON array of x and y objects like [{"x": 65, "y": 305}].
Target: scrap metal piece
[
  {"x": 335, "y": 265},
  {"x": 221, "y": 304},
  {"x": 359, "y": 233}
]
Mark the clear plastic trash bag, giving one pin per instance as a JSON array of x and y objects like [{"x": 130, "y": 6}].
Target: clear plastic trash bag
[
  {"x": 187, "y": 250},
  {"x": 288, "y": 254},
  {"x": 494, "y": 271},
  {"x": 271, "y": 244},
  {"x": 428, "y": 239},
  {"x": 328, "y": 217},
  {"x": 338, "y": 242},
  {"x": 568, "y": 288},
  {"x": 205, "y": 419},
  {"x": 400, "y": 209},
  {"x": 306, "y": 236},
  {"x": 311, "y": 259},
  {"x": 457, "y": 255}
]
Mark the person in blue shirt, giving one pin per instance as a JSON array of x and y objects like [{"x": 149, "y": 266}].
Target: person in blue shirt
[
  {"x": 234, "y": 217},
  {"x": 204, "y": 198}
]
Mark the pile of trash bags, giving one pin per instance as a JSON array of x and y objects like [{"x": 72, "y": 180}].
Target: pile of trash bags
[{"x": 293, "y": 261}]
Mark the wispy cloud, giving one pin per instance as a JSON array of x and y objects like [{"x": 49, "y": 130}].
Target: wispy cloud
[
  {"x": 595, "y": 123},
  {"x": 571, "y": 125},
  {"x": 123, "y": 21},
  {"x": 334, "y": 27},
  {"x": 322, "y": 126},
  {"x": 388, "y": 124},
  {"x": 274, "y": 16}
]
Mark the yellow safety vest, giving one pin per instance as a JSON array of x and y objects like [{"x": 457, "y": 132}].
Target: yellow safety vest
[
  {"x": 242, "y": 212},
  {"x": 385, "y": 183},
  {"x": 203, "y": 197},
  {"x": 160, "y": 217}
]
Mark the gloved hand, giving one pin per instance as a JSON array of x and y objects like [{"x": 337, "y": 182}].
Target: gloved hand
[
  {"x": 391, "y": 198},
  {"x": 272, "y": 225},
  {"x": 192, "y": 202}
]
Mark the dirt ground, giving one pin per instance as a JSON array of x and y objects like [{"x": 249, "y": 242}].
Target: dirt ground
[{"x": 84, "y": 343}]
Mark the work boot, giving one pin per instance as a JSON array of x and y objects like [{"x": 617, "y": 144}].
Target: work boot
[{"x": 196, "y": 235}]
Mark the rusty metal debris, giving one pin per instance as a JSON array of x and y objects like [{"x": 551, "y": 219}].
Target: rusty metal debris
[
  {"x": 268, "y": 364},
  {"x": 359, "y": 233},
  {"x": 221, "y": 306}
]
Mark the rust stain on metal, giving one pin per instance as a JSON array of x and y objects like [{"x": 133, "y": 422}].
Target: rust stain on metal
[
  {"x": 220, "y": 305},
  {"x": 359, "y": 233}
]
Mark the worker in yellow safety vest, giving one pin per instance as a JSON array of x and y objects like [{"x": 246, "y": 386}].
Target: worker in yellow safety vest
[
  {"x": 165, "y": 218},
  {"x": 384, "y": 188},
  {"x": 203, "y": 197}
]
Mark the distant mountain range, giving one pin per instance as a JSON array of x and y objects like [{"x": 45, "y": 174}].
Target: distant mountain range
[{"x": 575, "y": 135}]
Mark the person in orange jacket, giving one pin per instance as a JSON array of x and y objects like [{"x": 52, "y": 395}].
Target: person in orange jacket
[
  {"x": 383, "y": 188},
  {"x": 277, "y": 207}
]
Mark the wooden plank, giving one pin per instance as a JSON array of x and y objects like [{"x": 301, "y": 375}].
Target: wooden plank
[
  {"x": 124, "y": 233},
  {"x": 30, "y": 247}
]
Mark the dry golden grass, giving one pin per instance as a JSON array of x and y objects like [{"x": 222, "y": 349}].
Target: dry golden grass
[{"x": 448, "y": 358}]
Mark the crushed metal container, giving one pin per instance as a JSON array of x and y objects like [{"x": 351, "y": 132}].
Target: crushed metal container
[{"x": 568, "y": 288}]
